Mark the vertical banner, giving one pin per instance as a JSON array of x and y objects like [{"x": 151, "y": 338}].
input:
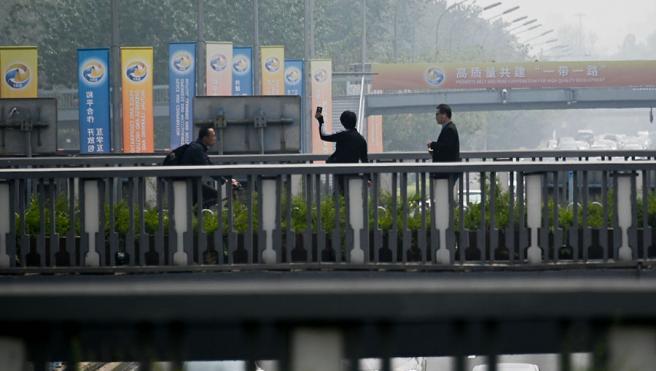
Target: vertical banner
[
  {"x": 242, "y": 71},
  {"x": 182, "y": 88},
  {"x": 19, "y": 72},
  {"x": 137, "y": 83},
  {"x": 321, "y": 73},
  {"x": 374, "y": 134},
  {"x": 93, "y": 92},
  {"x": 273, "y": 70},
  {"x": 218, "y": 72},
  {"x": 294, "y": 77}
]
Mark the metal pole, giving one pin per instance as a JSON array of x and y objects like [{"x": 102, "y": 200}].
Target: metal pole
[
  {"x": 256, "y": 46},
  {"x": 116, "y": 78},
  {"x": 306, "y": 115},
  {"x": 363, "y": 113},
  {"x": 200, "y": 48}
]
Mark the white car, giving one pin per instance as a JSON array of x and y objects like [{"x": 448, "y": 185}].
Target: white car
[{"x": 510, "y": 367}]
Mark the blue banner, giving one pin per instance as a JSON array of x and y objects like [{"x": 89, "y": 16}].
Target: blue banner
[
  {"x": 242, "y": 71},
  {"x": 93, "y": 90},
  {"x": 294, "y": 77},
  {"x": 182, "y": 89}
]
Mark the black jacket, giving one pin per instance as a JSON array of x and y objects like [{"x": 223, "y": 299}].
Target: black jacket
[
  {"x": 196, "y": 155},
  {"x": 351, "y": 147},
  {"x": 446, "y": 149}
]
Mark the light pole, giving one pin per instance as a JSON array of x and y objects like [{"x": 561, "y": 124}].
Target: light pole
[
  {"x": 200, "y": 48},
  {"x": 256, "y": 46},
  {"x": 478, "y": 12},
  {"x": 117, "y": 140},
  {"x": 507, "y": 11},
  {"x": 439, "y": 20},
  {"x": 519, "y": 19},
  {"x": 306, "y": 117},
  {"x": 529, "y": 29},
  {"x": 523, "y": 25}
]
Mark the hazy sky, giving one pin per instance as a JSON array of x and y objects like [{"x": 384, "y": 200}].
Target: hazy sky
[{"x": 610, "y": 20}]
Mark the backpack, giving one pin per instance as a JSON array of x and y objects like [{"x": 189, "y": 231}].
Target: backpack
[{"x": 173, "y": 158}]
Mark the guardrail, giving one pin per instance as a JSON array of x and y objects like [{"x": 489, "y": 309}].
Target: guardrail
[
  {"x": 295, "y": 213},
  {"x": 156, "y": 159}
]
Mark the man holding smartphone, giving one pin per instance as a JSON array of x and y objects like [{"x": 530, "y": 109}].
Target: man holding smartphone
[{"x": 351, "y": 147}]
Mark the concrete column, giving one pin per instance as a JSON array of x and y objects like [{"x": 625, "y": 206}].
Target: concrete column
[
  {"x": 12, "y": 354},
  {"x": 269, "y": 210},
  {"x": 5, "y": 225},
  {"x": 180, "y": 214},
  {"x": 92, "y": 220},
  {"x": 632, "y": 348},
  {"x": 317, "y": 350},
  {"x": 441, "y": 202},
  {"x": 534, "y": 213},
  {"x": 624, "y": 213},
  {"x": 356, "y": 205}
]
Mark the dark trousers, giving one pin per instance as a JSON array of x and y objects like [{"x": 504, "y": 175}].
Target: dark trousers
[{"x": 210, "y": 195}]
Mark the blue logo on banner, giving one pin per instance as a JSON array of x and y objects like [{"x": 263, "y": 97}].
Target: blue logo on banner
[
  {"x": 219, "y": 62},
  {"x": 241, "y": 64},
  {"x": 18, "y": 76},
  {"x": 182, "y": 62},
  {"x": 272, "y": 64},
  {"x": 434, "y": 76},
  {"x": 93, "y": 71},
  {"x": 321, "y": 75},
  {"x": 137, "y": 71},
  {"x": 293, "y": 76}
]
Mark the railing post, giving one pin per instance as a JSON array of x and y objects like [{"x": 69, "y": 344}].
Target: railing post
[
  {"x": 624, "y": 214},
  {"x": 5, "y": 225},
  {"x": 317, "y": 349},
  {"x": 12, "y": 354},
  {"x": 441, "y": 201},
  {"x": 269, "y": 211},
  {"x": 356, "y": 205},
  {"x": 180, "y": 222},
  {"x": 91, "y": 221},
  {"x": 534, "y": 211}
]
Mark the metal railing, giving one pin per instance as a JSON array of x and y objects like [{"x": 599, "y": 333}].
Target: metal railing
[
  {"x": 156, "y": 159},
  {"x": 533, "y": 212}
]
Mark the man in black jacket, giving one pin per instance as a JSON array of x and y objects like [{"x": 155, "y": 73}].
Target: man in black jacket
[
  {"x": 447, "y": 147},
  {"x": 196, "y": 155},
  {"x": 350, "y": 146}
]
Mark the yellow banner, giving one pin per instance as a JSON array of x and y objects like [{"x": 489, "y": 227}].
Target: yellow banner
[
  {"x": 321, "y": 73},
  {"x": 19, "y": 72},
  {"x": 273, "y": 70},
  {"x": 137, "y": 83},
  {"x": 218, "y": 69}
]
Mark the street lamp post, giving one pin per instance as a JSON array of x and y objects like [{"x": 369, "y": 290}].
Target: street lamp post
[
  {"x": 439, "y": 20},
  {"x": 523, "y": 25},
  {"x": 507, "y": 11},
  {"x": 529, "y": 29},
  {"x": 116, "y": 78}
]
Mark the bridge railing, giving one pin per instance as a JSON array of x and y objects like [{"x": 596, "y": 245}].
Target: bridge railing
[
  {"x": 312, "y": 214},
  {"x": 156, "y": 159}
]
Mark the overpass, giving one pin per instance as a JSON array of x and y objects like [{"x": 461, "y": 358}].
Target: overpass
[
  {"x": 512, "y": 99},
  {"x": 377, "y": 272}
]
